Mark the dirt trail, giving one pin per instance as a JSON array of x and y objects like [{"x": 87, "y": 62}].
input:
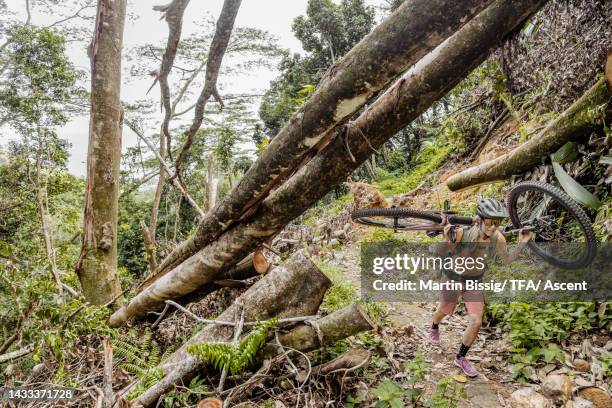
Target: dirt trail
[{"x": 491, "y": 388}]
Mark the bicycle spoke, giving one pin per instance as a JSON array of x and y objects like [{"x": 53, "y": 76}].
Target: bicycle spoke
[{"x": 559, "y": 223}]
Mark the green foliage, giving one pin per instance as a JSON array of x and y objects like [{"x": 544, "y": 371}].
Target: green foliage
[
  {"x": 448, "y": 394},
  {"x": 237, "y": 357},
  {"x": 330, "y": 30},
  {"x": 327, "y": 32},
  {"x": 195, "y": 390},
  {"x": 39, "y": 79},
  {"x": 429, "y": 159},
  {"x": 535, "y": 330},
  {"x": 393, "y": 394},
  {"x": 29, "y": 297},
  {"x": 606, "y": 364},
  {"x": 354, "y": 401},
  {"x": 343, "y": 294},
  {"x": 140, "y": 356},
  {"x": 415, "y": 369},
  {"x": 390, "y": 395},
  {"x": 600, "y": 225},
  {"x": 130, "y": 245}
]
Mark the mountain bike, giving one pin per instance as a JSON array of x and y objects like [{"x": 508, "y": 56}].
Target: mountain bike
[{"x": 563, "y": 233}]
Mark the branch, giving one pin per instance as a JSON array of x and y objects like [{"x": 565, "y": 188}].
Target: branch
[
  {"x": 75, "y": 15},
  {"x": 189, "y": 108},
  {"x": 175, "y": 182},
  {"x": 225, "y": 24},
  {"x": 24, "y": 351},
  {"x": 198, "y": 319},
  {"x": 107, "y": 386},
  {"x": 139, "y": 183},
  {"x": 173, "y": 13},
  {"x": 186, "y": 85}
]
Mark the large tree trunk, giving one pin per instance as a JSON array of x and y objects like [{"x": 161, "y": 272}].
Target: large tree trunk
[
  {"x": 583, "y": 116},
  {"x": 97, "y": 266},
  {"x": 396, "y": 44},
  {"x": 295, "y": 288},
  {"x": 414, "y": 93}
]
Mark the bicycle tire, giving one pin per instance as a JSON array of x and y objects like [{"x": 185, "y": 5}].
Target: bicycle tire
[
  {"x": 572, "y": 207},
  {"x": 362, "y": 216}
]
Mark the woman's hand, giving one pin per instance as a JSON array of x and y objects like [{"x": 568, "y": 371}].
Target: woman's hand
[{"x": 526, "y": 235}]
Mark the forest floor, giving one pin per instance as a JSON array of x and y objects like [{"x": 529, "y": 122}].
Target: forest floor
[{"x": 411, "y": 322}]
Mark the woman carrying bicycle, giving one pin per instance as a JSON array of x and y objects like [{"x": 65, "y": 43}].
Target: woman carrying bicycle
[{"x": 486, "y": 232}]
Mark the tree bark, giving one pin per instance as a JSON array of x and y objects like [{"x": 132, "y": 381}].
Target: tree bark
[
  {"x": 583, "y": 116},
  {"x": 413, "y": 94},
  {"x": 24, "y": 351},
  {"x": 397, "y": 43},
  {"x": 211, "y": 185},
  {"x": 43, "y": 209},
  {"x": 97, "y": 265},
  {"x": 295, "y": 288},
  {"x": 173, "y": 14},
  {"x": 325, "y": 331},
  {"x": 149, "y": 246}
]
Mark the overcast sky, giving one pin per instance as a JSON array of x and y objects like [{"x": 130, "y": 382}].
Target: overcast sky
[{"x": 274, "y": 16}]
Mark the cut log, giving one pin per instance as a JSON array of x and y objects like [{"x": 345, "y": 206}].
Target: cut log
[
  {"x": 295, "y": 288},
  {"x": 325, "y": 331},
  {"x": 582, "y": 117},
  {"x": 414, "y": 93},
  {"x": 415, "y": 29},
  {"x": 260, "y": 262}
]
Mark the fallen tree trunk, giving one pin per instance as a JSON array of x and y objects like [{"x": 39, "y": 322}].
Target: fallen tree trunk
[
  {"x": 242, "y": 270},
  {"x": 416, "y": 28},
  {"x": 295, "y": 288},
  {"x": 414, "y": 93},
  {"x": 582, "y": 117}
]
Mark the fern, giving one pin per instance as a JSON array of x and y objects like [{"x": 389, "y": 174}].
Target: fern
[
  {"x": 141, "y": 355},
  {"x": 236, "y": 356}
]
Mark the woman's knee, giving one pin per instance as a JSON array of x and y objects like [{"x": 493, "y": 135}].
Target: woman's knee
[{"x": 476, "y": 319}]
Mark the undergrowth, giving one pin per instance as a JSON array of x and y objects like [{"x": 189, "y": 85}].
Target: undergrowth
[
  {"x": 140, "y": 355},
  {"x": 343, "y": 293},
  {"x": 237, "y": 357},
  {"x": 427, "y": 161},
  {"x": 535, "y": 330}
]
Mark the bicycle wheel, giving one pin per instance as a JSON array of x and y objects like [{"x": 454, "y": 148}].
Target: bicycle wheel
[
  {"x": 564, "y": 236},
  {"x": 404, "y": 219}
]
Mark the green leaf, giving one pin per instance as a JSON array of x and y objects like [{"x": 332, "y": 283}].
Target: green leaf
[
  {"x": 566, "y": 153},
  {"x": 574, "y": 189},
  {"x": 5, "y": 250}
]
